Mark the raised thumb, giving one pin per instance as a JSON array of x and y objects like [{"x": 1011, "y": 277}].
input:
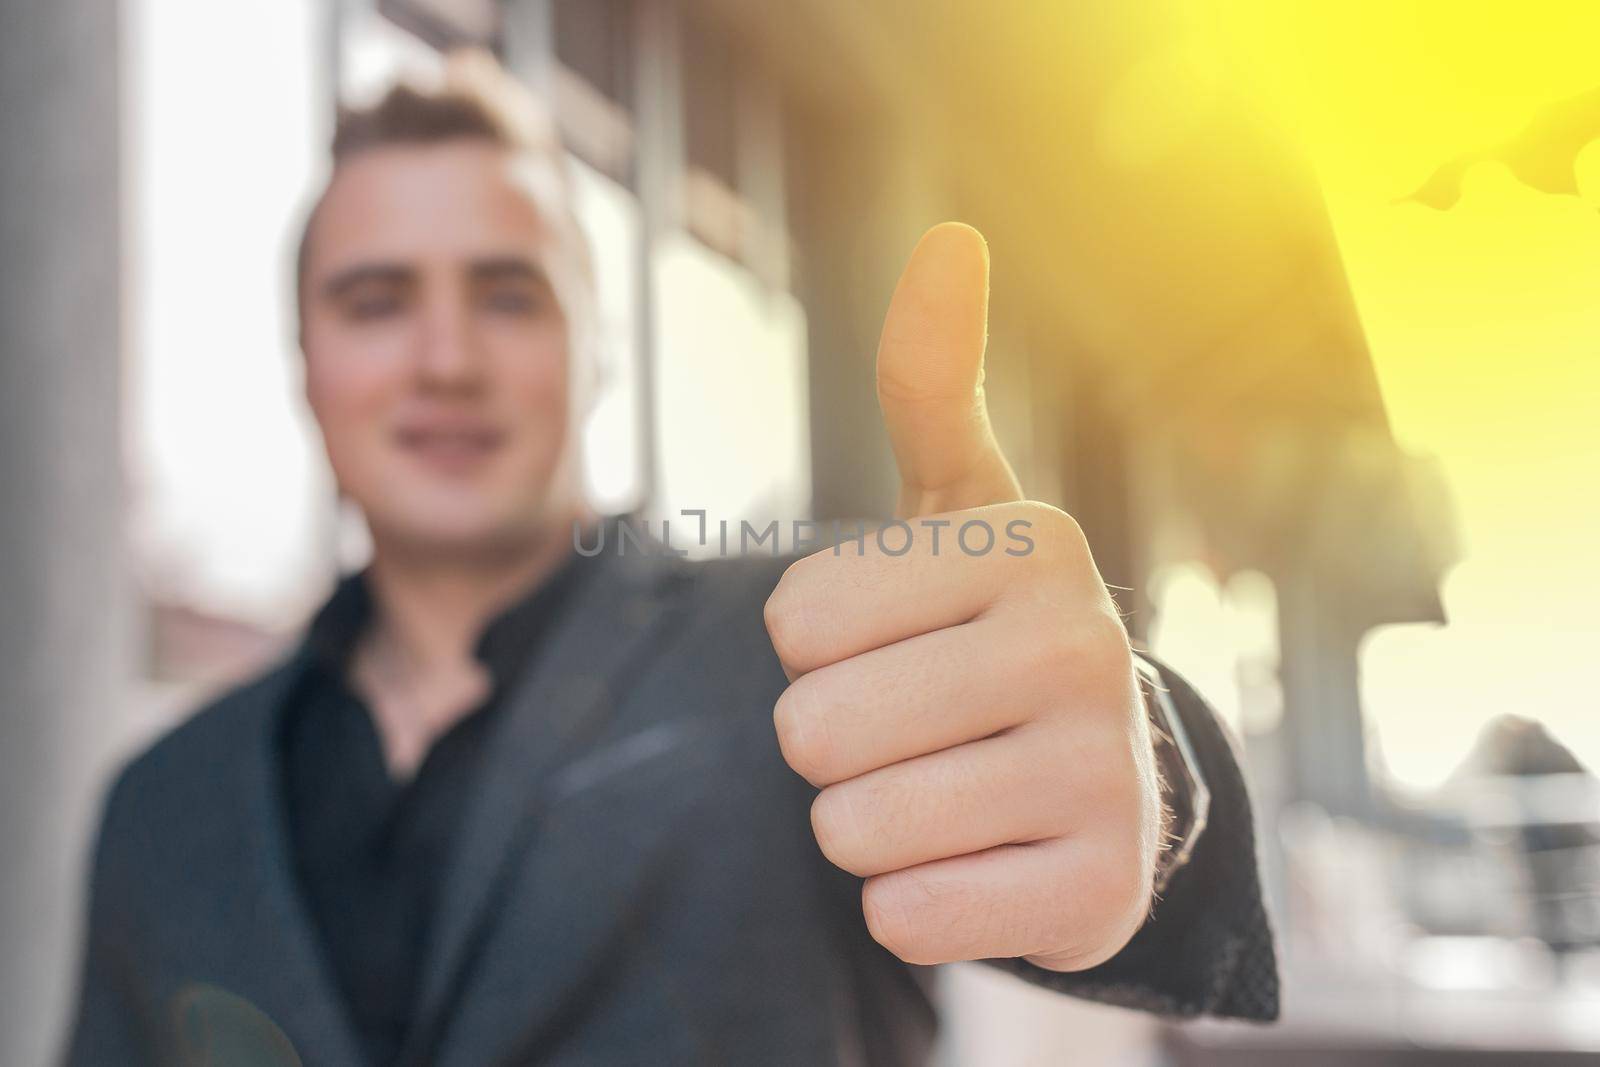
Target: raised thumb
[{"x": 930, "y": 378}]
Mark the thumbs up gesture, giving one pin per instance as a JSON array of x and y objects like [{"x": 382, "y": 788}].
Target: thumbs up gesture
[{"x": 962, "y": 690}]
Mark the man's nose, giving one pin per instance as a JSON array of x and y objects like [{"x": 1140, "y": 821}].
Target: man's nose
[{"x": 448, "y": 354}]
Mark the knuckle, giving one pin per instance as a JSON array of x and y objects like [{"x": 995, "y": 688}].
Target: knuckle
[
  {"x": 1119, "y": 899},
  {"x": 1059, "y": 537},
  {"x": 1047, "y": 651},
  {"x": 900, "y": 909},
  {"x": 919, "y": 339},
  {"x": 1085, "y": 652},
  {"x": 803, "y": 733},
  {"x": 1055, "y": 781},
  {"x": 905, "y": 799},
  {"x": 1102, "y": 639},
  {"x": 1093, "y": 649},
  {"x": 835, "y": 826},
  {"x": 784, "y": 621},
  {"x": 885, "y": 917},
  {"x": 1113, "y": 892},
  {"x": 1115, "y": 786},
  {"x": 1125, "y": 874},
  {"x": 1091, "y": 922}
]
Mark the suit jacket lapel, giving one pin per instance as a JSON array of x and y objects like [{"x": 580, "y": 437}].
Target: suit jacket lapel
[
  {"x": 554, "y": 714},
  {"x": 276, "y": 957}
]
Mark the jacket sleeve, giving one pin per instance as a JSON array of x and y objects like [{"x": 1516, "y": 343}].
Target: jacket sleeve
[{"x": 1207, "y": 947}]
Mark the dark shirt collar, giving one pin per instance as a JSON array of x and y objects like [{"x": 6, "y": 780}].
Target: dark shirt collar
[{"x": 504, "y": 645}]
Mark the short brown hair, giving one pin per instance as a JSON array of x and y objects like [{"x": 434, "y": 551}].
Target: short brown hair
[{"x": 405, "y": 116}]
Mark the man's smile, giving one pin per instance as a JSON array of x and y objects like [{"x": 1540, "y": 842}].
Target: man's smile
[{"x": 450, "y": 445}]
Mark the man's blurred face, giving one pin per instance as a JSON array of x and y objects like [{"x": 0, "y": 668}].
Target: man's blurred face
[{"x": 436, "y": 354}]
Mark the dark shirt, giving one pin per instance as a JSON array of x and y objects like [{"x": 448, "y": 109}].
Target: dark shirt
[{"x": 370, "y": 851}]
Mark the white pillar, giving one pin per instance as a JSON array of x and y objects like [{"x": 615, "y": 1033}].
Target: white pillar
[{"x": 64, "y": 610}]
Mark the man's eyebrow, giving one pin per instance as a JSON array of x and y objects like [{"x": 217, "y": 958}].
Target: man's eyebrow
[
  {"x": 508, "y": 268},
  {"x": 361, "y": 273}
]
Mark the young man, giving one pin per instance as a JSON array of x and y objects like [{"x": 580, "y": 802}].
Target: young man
[{"x": 509, "y": 802}]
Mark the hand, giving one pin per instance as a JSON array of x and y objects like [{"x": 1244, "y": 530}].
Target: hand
[{"x": 971, "y": 717}]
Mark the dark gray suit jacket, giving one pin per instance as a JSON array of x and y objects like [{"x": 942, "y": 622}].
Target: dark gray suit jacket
[{"x": 636, "y": 878}]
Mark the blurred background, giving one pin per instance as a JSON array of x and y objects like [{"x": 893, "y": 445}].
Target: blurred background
[{"x": 1336, "y": 444}]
